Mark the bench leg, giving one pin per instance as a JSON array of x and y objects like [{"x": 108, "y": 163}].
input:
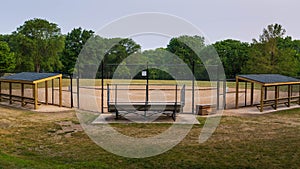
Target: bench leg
[
  {"x": 174, "y": 115},
  {"x": 117, "y": 114}
]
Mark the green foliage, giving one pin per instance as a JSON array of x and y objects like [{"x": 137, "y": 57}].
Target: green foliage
[
  {"x": 233, "y": 54},
  {"x": 120, "y": 50},
  {"x": 7, "y": 58},
  {"x": 269, "y": 55},
  {"x": 38, "y": 44},
  {"x": 270, "y": 33},
  {"x": 160, "y": 56},
  {"x": 187, "y": 48},
  {"x": 74, "y": 42},
  {"x": 192, "y": 50},
  {"x": 109, "y": 52}
]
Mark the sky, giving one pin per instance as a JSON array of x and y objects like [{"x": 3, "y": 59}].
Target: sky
[{"x": 218, "y": 19}]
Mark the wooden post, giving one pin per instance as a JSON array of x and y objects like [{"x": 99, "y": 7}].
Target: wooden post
[
  {"x": 10, "y": 93},
  {"x": 289, "y": 95},
  {"x": 60, "y": 91},
  {"x": 46, "y": 92},
  {"x": 0, "y": 93},
  {"x": 176, "y": 94},
  {"x": 52, "y": 91},
  {"x": 278, "y": 92},
  {"x": 262, "y": 98},
  {"x": 252, "y": 91},
  {"x": 116, "y": 94},
  {"x": 108, "y": 93},
  {"x": 236, "y": 92},
  {"x": 246, "y": 94},
  {"x": 276, "y": 97},
  {"x": 35, "y": 93},
  {"x": 266, "y": 93},
  {"x": 22, "y": 94},
  {"x": 299, "y": 95}
]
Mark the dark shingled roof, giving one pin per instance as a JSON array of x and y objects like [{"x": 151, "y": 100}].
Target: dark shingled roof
[
  {"x": 28, "y": 76},
  {"x": 269, "y": 78}
]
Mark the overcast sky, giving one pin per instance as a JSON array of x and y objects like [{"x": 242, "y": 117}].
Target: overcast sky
[{"x": 217, "y": 19}]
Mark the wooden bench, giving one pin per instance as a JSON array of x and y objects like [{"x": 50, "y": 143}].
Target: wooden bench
[
  {"x": 280, "y": 101},
  {"x": 15, "y": 98},
  {"x": 202, "y": 109},
  {"x": 164, "y": 108}
]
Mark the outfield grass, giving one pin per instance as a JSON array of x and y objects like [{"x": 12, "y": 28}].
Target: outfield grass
[{"x": 30, "y": 140}]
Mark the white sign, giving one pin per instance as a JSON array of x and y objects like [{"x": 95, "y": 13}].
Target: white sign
[{"x": 144, "y": 73}]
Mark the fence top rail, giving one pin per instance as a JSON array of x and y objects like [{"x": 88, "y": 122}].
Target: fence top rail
[
  {"x": 128, "y": 84},
  {"x": 156, "y": 65}
]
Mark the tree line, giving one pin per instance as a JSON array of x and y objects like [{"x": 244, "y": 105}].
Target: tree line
[{"x": 39, "y": 46}]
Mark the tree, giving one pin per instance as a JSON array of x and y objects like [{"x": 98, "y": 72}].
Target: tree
[
  {"x": 294, "y": 48},
  {"x": 267, "y": 56},
  {"x": 271, "y": 33},
  {"x": 161, "y": 58},
  {"x": 120, "y": 50},
  {"x": 38, "y": 44},
  {"x": 74, "y": 42},
  {"x": 187, "y": 48},
  {"x": 233, "y": 54},
  {"x": 7, "y": 58}
]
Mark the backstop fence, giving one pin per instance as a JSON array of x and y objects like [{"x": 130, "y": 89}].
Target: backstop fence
[{"x": 201, "y": 87}]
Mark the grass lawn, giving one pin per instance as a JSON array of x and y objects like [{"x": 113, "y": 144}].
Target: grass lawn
[{"x": 33, "y": 140}]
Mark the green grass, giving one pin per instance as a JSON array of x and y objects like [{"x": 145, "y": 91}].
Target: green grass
[{"x": 28, "y": 140}]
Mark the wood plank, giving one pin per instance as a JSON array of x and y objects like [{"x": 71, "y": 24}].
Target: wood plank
[
  {"x": 266, "y": 93},
  {"x": 262, "y": 99},
  {"x": 281, "y": 84},
  {"x": 22, "y": 94},
  {"x": 35, "y": 91},
  {"x": 60, "y": 91},
  {"x": 252, "y": 92},
  {"x": 15, "y": 81},
  {"x": 289, "y": 96},
  {"x": 276, "y": 96},
  {"x": 246, "y": 86},
  {"x": 249, "y": 80},
  {"x": 10, "y": 93},
  {"x": 236, "y": 92},
  {"x": 0, "y": 92},
  {"x": 52, "y": 91},
  {"x": 46, "y": 92},
  {"x": 299, "y": 94},
  {"x": 48, "y": 79}
]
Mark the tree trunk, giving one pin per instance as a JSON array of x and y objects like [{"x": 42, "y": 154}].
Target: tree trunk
[{"x": 37, "y": 68}]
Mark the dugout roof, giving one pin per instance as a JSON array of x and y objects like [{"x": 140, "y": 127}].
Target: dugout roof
[
  {"x": 30, "y": 77},
  {"x": 269, "y": 79}
]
